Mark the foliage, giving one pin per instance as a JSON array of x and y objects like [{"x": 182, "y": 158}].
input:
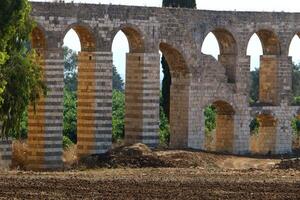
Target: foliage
[
  {"x": 296, "y": 126},
  {"x": 296, "y": 80},
  {"x": 254, "y": 126},
  {"x": 164, "y": 128},
  {"x": 70, "y": 69},
  {"x": 22, "y": 134},
  {"x": 70, "y": 115},
  {"x": 67, "y": 143},
  {"x": 118, "y": 115},
  {"x": 20, "y": 73},
  {"x": 118, "y": 83},
  {"x": 166, "y": 83},
  {"x": 180, "y": 3},
  {"x": 210, "y": 119},
  {"x": 254, "y": 85}
]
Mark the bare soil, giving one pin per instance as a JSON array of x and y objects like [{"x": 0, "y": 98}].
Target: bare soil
[{"x": 136, "y": 172}]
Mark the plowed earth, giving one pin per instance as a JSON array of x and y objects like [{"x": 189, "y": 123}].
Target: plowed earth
[{"x": 157, "y": 175}]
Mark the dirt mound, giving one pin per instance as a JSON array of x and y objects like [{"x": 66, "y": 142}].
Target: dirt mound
[
  {"x": 134, "y": 156},
  {"x": 289, "y": 164},
  {"x": 140, "y": 156},
  {"x": 189, "y": 159}
]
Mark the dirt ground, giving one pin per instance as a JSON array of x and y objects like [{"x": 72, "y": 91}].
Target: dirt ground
[{"x": 174, "y": 175}]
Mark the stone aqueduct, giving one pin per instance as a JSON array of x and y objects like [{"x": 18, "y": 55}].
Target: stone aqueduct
[{"x": 198, "y": 80}]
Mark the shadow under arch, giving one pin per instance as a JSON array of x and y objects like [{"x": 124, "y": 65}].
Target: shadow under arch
[
  {"x": 228, "y": 51},
  {"x": 224, "y": 140},
  {"x": 264, "y": 140},
  {"x": 270, "y": 42},
  {"x": 174, "y": 58}
]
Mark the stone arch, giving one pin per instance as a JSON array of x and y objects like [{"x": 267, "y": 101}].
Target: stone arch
[
  {"x": 85, "y": 34},
  {"x": 270, "y": 42},
  {"x": 290, "y": 39},
  {"x": 134, "y": 36},
  {"x": 268, "y": 70},
  {"x": 179, "y": 95},
  {"x": 174, "y": 58},
  {"x": 86, "y": 89},
  {"x": 264, "y": 142},
  {"x": 228, "y": 51},
  {"x": 224, "y": 136}
]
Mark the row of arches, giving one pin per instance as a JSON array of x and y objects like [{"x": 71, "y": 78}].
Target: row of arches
[
  {"x": 264, "y": 50},
  {"x": 134, "y": 105},
  {"x": 134, "y": 77}
]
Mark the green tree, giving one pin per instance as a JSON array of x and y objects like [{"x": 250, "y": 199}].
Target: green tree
[
  {"x": 19, "y": 71},
  {"x": 118, "y": 83},
  {"x": 180, "y": 3},
  {"x": 118, "y": 115},
  {"x": 254, "y": 85},
  {"x": 296, "y": 80},
  {"x": 70, "y": 69},
  {"x": 210, "y": 119},
  {"x": 70, "y": 115}
]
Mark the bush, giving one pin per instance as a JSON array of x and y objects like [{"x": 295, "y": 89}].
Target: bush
[
  {"x": 210, "y": 119},
  {"x": 67, "y": 143},
  {"x": 164, "y": 128},
  {"x": 118, "y": 115}
]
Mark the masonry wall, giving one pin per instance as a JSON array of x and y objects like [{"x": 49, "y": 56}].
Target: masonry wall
[
  {"x": 268, "y": 89},
  {"x": 198, "y": 80}
]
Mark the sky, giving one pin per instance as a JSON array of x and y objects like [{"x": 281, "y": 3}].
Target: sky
[{"x": 210, "y": 45}]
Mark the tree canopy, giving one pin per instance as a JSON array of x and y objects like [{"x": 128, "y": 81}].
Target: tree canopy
[
  {"x": 21, "y": 76},
  {"x": 180, "y": 3}
]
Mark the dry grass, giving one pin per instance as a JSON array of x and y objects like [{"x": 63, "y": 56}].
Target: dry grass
[
  {"x": 20, "y": 153},
  {"x": 70, "y": 156}
]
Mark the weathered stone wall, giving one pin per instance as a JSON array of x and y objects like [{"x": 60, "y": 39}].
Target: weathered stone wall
[{"x": 198, "y": 80}]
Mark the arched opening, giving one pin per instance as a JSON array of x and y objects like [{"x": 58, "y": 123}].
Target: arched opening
[
  {"x": 255, "y": 51},
  {"x": 263, "y": 134},
  {"x": 128, "y": 119},
  {"x": 295, "y": 55},
  {"x": 264, "y": 89},
  {"x": 219, "y": 127},
  {"x": 79, "y": 89},
  {"x": 178, "y": 95},
  {"x": 71, "y": 47},
  {"x": 226, "y": 50},
  {"x": 120, "y": 48}
]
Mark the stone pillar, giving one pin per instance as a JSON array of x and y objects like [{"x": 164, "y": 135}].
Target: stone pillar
[
  {"x": 45, "y": 124},
  {"x": 94, "y": 116},
  {"x": 243, "y": 76},
  {"x": 241, "y": 131},
  {"x": 284, "y": 133},
  {"x": 5, "y": 151},
  {"x": 285, "y": 68},
  {"x": 196, "y": 119},
  {"x": 266, "y": 141},
  {"x": 268, "y": 80},
  {"x": 179, "y": 110},
  {"x": 224, "y": 132},
  {"x": 142, "y": 98}
]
